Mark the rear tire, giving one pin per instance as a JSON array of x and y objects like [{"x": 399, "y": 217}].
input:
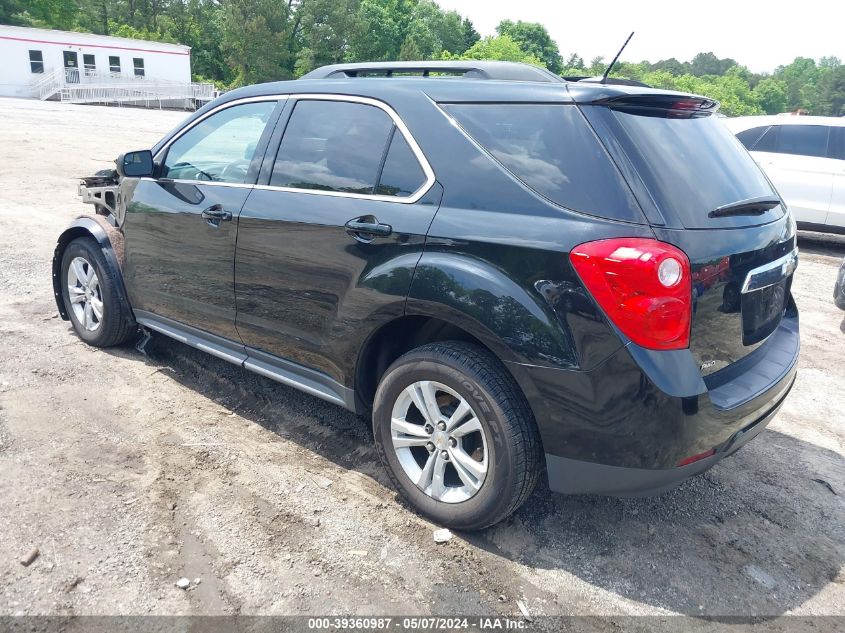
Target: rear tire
[
  {"x": 90, "y": 296},
  {"x": 479, "y": 414}
]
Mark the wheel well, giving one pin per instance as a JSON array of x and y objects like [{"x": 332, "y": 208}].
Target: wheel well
[
  {"x": 64, "y": 239},
  {"x": 393, "y": 340},
  {"x": 111, "y": 241}
]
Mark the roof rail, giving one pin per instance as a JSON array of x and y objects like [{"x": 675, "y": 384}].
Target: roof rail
[{"x": 469, "y": 69}]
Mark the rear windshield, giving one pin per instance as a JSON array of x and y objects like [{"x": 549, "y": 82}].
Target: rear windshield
[
  {"x": 691, "y": 166},
  {"x": 552, "y": 149}
]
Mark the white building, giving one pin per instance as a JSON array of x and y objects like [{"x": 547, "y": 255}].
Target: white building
[{"x": 88, "y": 68}]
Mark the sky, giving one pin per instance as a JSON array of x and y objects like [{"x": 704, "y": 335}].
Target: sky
[{"x": 760, "y": 35}]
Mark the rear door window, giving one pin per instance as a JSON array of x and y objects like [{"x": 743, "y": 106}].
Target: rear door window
[
  {"x": 551, "y": 149},
  {"x": 803, "y": 140},
  {"x": 332, "y": 146},
  {"x": 402, "y": 174}
]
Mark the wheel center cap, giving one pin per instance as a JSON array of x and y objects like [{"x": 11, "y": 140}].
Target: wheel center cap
[{"x": 440, "y": 439}]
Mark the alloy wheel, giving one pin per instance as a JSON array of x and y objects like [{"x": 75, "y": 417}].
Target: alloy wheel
[
  {"x": 86, "y": 298},
  {"x": 439, "y": 441}
]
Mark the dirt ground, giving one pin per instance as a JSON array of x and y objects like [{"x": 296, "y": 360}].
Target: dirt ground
[{"x": 129, "y": 472}]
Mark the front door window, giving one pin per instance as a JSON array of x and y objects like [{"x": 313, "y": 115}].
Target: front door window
[{"x": 219, "y": 148}]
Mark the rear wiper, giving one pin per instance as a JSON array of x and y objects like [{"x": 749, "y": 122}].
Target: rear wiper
[{"x": 751, "y": 206}]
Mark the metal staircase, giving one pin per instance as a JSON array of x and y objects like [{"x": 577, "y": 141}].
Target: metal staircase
[{"x": 72, "y": 86}]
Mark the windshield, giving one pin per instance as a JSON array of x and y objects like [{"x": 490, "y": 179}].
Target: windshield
[{"x": 691, "y": 167}]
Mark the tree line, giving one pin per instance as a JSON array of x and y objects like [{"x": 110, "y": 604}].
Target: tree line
[{"x": 238, "y": 42}]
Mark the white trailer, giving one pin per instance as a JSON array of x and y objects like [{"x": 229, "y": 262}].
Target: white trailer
[{"x": 89, "y": 68}]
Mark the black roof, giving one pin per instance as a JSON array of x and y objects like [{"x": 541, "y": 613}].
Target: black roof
[
  {"x": 446, "y": 81},
  {"x": 466, "y": 69}
]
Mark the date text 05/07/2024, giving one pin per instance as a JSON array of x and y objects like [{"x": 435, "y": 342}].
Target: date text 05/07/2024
[{"x": 496, "y": 623}]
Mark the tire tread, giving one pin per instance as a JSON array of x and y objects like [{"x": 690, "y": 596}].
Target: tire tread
[
  {"x": 518, "y": 419},
  {"x": 119, "y": 326}
]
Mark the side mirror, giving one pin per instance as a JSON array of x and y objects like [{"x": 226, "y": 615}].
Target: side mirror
[{"x": 135, "y": 164}]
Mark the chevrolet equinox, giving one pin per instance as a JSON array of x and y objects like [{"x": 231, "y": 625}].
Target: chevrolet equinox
[{"x": 512, "y": 274}]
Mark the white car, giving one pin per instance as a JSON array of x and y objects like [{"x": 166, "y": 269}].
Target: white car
[{"x": 804, "y": 156}]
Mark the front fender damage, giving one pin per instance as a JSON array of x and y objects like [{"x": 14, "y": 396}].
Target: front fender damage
[{"x": 110, "y": 240}]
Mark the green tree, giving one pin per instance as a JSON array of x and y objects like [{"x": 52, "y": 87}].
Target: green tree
[
  {"x": 832, "y": 92},
  {"x": 431, "y": 31},
  {"x": 256, "y": 40},
  {"x": 771, "y": 95},
  {"x": 534, "y": 39},
  {"x": 56, "y": 14},
  {"x": 471, "y": 36},
  {"x": 597, "y": 65},
  {"x": 661, "y": 79},
  {"x": 95, "y": 16},
  {"x": 672, "y": 66},
  {"x": 12, "y": 12},
  {"x": 327, "y": 27},
  {"x": 378, "y": 33},
  {"x": 730, "y": 90},
  {"x": 801, "y": 77},
  {"x": 708, "y": 64},
  {"x": 500, "y": 47}
]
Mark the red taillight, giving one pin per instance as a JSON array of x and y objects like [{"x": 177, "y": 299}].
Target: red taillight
[{"x": 643, "y": 286}]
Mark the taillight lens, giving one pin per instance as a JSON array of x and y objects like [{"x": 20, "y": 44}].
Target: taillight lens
[{"x": 643, "y": 286}]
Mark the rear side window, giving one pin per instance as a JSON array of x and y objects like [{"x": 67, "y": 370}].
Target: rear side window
[
  {"x": 803, "y": 140},
  {"x": 332, "y": 146},
  {"x": 769, "y": 141},
  {"x": 402, "y": 174},
  {"x": 553, "y": 150},
  {"x": 750, "y": 137}
]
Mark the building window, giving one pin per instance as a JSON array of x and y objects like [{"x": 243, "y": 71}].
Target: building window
[
  {"x": 36, "y": 62},
  {"x": 89, "y": 64},
  {"x": 114, "y": 64},
  {"x": 138, "y": 64}
]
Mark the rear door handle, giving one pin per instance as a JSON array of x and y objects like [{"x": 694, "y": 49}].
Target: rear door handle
[
  {"x": 367, "y": 228},
  {"x": 215, "y": 215}
]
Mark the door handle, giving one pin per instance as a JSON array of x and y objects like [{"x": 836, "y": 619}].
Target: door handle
[
  {"x": 215, "y": 215},
  {"x": 367, "y": 228}
]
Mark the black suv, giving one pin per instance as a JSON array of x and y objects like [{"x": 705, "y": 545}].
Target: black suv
[{"x": 511, "y": 272}]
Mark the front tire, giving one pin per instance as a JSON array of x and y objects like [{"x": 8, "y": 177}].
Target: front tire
[
  {"x": 456, "y": 435},
  {"x": 90, "y": 296}
]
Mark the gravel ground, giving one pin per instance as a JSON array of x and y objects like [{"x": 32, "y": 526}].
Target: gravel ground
[{"x": 130, "y": 472}]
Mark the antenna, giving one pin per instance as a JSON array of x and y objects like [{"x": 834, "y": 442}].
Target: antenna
[{"x": 615, "y": 59}]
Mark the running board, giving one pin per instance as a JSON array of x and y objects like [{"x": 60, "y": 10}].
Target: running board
[{"x": 286, "y": 372}]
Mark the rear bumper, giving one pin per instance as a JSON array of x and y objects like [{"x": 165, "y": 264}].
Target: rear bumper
[
  {"x": 571, "y": 476},
  {"x": 624, "y": 427}
]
